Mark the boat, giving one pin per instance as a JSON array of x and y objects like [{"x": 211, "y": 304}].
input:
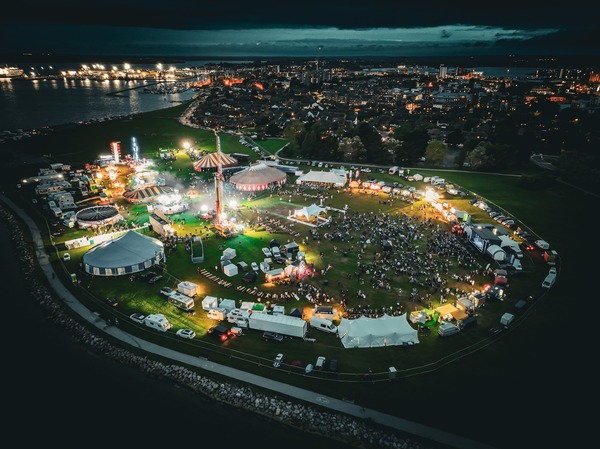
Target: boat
[{"x": 11, "y": 72}]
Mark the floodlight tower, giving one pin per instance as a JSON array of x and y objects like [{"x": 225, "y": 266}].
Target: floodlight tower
[
  {"x": 219, "y": 182},
  {"x": 135, "y": 149}
]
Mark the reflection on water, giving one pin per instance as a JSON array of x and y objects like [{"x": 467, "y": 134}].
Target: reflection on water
[{"x": 26, "y": 104}]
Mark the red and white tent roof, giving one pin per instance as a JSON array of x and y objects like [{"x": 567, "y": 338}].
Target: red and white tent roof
[{"x": 211, "y": 160}]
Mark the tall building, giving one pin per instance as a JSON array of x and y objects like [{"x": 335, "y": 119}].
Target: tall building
[{"x": 443, "y": 71}]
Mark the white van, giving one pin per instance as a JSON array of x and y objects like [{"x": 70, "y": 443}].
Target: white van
[
  {"x": 323, "y": 325},
  {"x": 320, "y": 362},
  {"x": 447, "y": 329},
  {"x": 549, "y": 280}
]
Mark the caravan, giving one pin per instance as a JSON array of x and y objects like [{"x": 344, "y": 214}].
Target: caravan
[
  {"x": 158, "y": 321},
  {"x": 217, "y": 314},
  {"x": 181, "y": 301}
]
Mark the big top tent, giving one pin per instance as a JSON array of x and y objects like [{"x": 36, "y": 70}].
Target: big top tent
[
  {"x": 146, "y": 194},
  {"x": 129, "y": 253},
  {"x": 258, "y": 177},
  {"x": 97, "y": 216},
  {"x": 211, "y": 161},
  {"x": 367, "y": 332}
]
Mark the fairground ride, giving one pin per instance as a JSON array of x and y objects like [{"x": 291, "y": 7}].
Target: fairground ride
[{"x": 223, "y": 227}]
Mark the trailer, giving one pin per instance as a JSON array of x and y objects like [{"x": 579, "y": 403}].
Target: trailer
[
  {"x": 157, "y": 321},
  {"x": 281, "y": 324},
  {"x": 181, "y": 301}
]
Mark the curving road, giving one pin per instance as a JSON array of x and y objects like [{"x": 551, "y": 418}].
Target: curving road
[{"x": 308, "y": 396}]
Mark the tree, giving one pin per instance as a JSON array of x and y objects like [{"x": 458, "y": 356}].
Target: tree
[
  {"x": 479, "y": 158},
  {"x": 352, "y": 149},
  {"x": 436, "y": 151},
  {"x": 294, "y": 133},
  {"x": 414, "y": 139},
  {"x": 372, "y": 142}
]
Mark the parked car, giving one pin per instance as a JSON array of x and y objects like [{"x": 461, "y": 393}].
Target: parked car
[
  {"x": 527, "y": 246},
  {"x": 112, "y": 301},
  {"x": 167, "y": 291},
  {"x": 273, "y": 336},
  {"x": 320, "y": 362},
  {"x": 155, "y": 279},
  {"x": 333, "y": 363},
  {"x": 137, "y": 317},
  {"x": 254, "y": 266},
  {"x": 278, "y": 359},
  {"x": 220, "y": 332},
  {"x": 186, "y": 333}
]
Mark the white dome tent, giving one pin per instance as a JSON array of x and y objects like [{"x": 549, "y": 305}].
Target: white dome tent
[{"x": 130, "y": 253}]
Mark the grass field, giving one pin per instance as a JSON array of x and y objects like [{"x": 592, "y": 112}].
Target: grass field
[{"x": 556, "y": 214}]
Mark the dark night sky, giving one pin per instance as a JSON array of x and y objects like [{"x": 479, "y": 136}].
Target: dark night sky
[{"x": 303, "y": 28}]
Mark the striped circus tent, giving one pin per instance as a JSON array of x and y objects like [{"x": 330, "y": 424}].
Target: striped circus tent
[
  {"x": 211, "y": 161},
  {"x": 146, "y": 194},
  {"x": 258, "y": 177}
]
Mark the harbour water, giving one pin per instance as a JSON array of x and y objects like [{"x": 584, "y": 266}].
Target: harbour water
[
  {"x": 70, "y": 395},
  {"x": 27, "y": 104}
]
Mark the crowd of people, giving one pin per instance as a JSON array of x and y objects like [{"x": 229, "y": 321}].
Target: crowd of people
[{"x": 355, "y": 431}]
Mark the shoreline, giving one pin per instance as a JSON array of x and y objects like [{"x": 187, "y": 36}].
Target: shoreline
[{"x": 342, "y": 429}]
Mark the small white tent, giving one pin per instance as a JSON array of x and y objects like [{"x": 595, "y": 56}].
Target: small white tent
[
  {"x": 210, "y": 302},
  {"x": 496, "y": 253},
  {"x": 310, "y": 211},
  {"x": 367, "y": 332}
]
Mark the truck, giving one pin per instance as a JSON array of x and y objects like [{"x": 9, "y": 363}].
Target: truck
[
  {"x": 551, "y": 256},
  {"x": 181, "y": 301},
  {"x": 158, "y": 322},
  {"x": 280, "y": 324},
  {"x": 323, "y": 324}
]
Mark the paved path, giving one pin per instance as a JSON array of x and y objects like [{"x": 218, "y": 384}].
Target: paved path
[{"x": 318, "y": 399}]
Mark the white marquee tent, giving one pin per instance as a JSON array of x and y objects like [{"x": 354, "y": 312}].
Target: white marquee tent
[
  {"x": 310, "y": 211},
  {"x": 322, "y": 178},
  {"x": 367, "y": 332}
]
